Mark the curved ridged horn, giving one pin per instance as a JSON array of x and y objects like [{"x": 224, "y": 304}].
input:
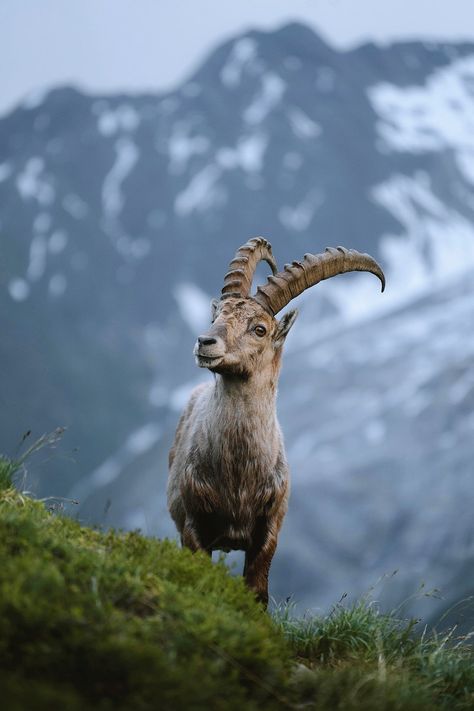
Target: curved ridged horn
[
  {"x": 238, "y": 280},
  {"x": 281, "y": 288}
]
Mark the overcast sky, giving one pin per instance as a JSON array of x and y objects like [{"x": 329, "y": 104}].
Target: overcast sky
[{"x": 110, "y": 45}]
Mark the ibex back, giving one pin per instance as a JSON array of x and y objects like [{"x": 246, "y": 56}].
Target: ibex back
[{"x": 229, "y": 479}]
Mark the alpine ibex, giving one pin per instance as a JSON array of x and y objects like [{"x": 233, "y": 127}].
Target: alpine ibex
[{"x": 229, "y": 480}]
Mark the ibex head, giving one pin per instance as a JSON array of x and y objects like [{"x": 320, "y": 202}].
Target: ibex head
[{"x": 245, "y": 336}]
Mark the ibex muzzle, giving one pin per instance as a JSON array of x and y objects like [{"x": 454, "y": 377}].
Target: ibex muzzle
[
  {"x": 210, "y": 347},
  {"x": 229, "y": 480}
]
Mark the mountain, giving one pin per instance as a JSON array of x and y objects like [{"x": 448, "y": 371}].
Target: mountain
[{"x": 118, "y": 218}]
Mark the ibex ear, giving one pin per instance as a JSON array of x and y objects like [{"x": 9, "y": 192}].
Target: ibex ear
[
  {"x": 214, "y": 305},
  {"x": 284, "y": 325}
]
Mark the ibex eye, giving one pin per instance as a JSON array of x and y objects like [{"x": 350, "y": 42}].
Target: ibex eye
[{"x": 260, "y": 330}]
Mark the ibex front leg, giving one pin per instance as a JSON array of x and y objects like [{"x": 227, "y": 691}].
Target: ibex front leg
[
  {"x": 258, "y": 559},
  {"x": 190, "y": 539}
]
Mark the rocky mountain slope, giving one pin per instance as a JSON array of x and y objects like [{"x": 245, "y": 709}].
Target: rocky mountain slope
[{"x": 118, "y": 216}]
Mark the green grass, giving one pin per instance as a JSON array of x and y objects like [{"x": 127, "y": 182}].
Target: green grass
[
  {"x": 113, "y": 620},
  {"x": 8, "y": 470},
  {"x": 359, "y": 658}
]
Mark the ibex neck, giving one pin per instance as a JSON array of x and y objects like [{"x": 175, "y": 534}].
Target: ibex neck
[{"x": 260, "y": 389}]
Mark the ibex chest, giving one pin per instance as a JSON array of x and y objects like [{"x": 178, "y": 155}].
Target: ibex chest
[{"x": 240, "y": 468}]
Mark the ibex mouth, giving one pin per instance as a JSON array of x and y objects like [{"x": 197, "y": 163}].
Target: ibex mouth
[{"x": 207, "y": 361}]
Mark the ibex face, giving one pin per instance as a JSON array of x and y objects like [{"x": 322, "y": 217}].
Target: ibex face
[{"x": 243, "y": 338}]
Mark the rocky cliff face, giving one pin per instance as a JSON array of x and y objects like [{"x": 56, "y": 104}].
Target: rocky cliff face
[{"x": 118, "y": 217}]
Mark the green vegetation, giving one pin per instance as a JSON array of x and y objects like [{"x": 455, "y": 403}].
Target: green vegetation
[
  {"x": 361, "y": 659},
  {"x": 112, "y": 620}
]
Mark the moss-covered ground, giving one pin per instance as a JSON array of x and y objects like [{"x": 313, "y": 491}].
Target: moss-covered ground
[{"x": 112, "y": 620}]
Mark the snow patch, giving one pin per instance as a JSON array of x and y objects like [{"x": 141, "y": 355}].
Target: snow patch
[
  {"x": 302, "y": 125},
  {"x": 273, "y": 88},
  {"x": 202, "y": 192},
  {"x": 18, "y": 289},
  {"x": 182, "y": 146},
  {"x": 436, "y": 244},
  {"x": 57, "y": 242},
  {"x": 247, "y": 155},
  {"x": 112, "y": 197},
  {"x": 138, "y": 443},
  {"x": 243, "y": 52},
  {"x": 299, "y": 218},
  {"x": 34, "y": 98},
  {"x": 123, "y": 118},
  {"x": 465, "y": 161},
  {"x": 75, "y": 206},
  {"x": 194, "y": 306},
  {"x": 142, "y": 440},
  {"x": 435, "y": 116},
  {"x": 140, "y": 247},
  {"x": 375, "y": 431},
  {"x": 180, "y": 396},
  {"x": 440, "y": 240},
  {"x": 32, "y": 184}
]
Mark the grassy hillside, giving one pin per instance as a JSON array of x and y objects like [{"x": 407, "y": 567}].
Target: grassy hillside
[{"x": 111, "y": 620}]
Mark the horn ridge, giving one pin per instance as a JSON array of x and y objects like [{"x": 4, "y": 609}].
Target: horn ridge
[
  {"x": 299, "y": 276},
  {"x": 242, "y": 267}
]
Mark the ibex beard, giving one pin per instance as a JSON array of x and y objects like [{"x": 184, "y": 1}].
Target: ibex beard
[{"x": 229, "y": 479}]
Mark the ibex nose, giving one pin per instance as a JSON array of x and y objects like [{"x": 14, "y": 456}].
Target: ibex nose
[{"x": 206, "y": 341}]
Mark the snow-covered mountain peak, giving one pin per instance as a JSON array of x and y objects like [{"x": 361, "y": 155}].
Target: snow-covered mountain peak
[{"x": 437, "y": 115}]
